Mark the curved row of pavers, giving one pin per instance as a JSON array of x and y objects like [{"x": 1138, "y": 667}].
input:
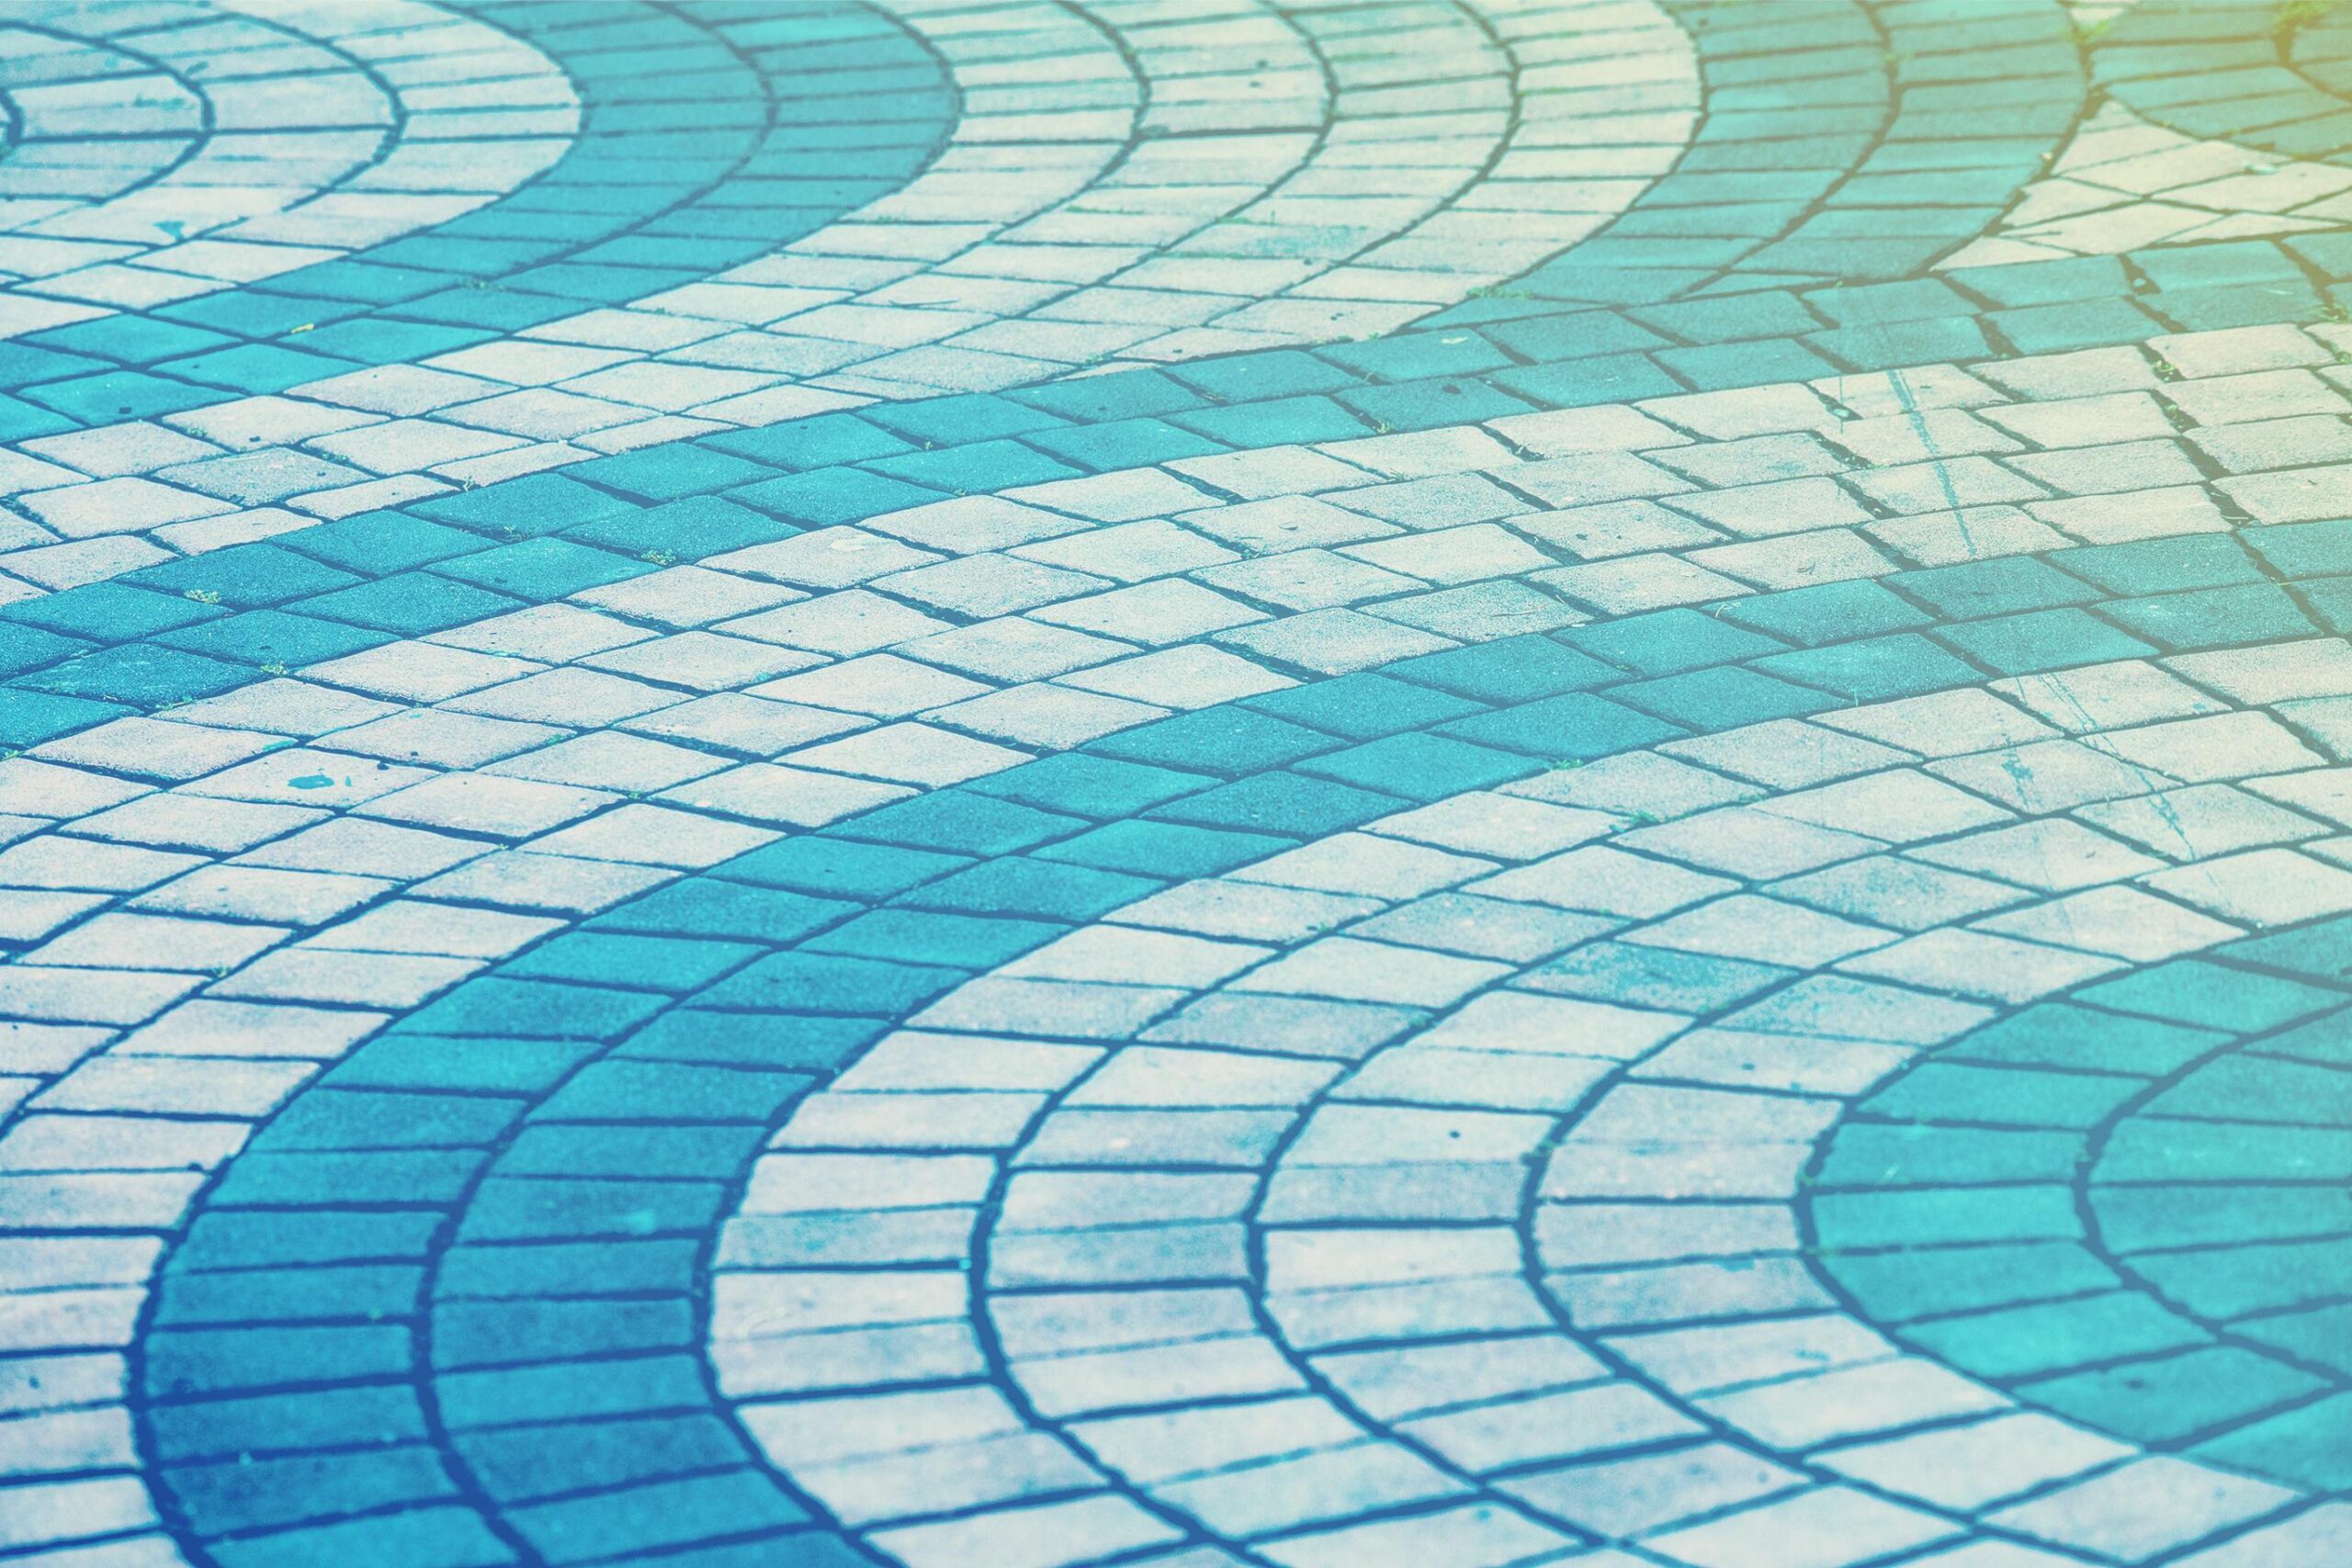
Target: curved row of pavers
[
  {"x": 564, "y": 1237},
  {"x": 678, "y": 172},
  {"x": 135, "y": 171},
  {"x": 1736, "y": 137},
  {"x": 190, "y": 629},
  {"x": 1246, "y": 172},
  {"x": 2203, "y": 359},
  {"x": 2181, "y": 351},
  {"x": 2265, "y": 76},
  {"x": 708, "y": 1065},
  {"x": 1572, "y": 360},
  {"x": 77, "y": 211},
  {"x": 706, "y": 138},
  {"x": 2153, "y": 1166},
  {"x": 1221, "y": 1194},
  {"x": 1840, "y": 141}
]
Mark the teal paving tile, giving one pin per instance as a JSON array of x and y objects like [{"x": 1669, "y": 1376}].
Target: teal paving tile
[
  {"x": 806, "y": 982},
  {"x": 1979, "y": 589},
  {"x": 118, "y": 395},
  {"x": 1570, "y": 729},
  {"x": 254, "y": 313},
  {"x": 2042, "y": 1338},
  {"x": 1874, "y": 669},
  {"x": 244, "y": 576},
  {"x": 2066, "y": 1035},
  {"x": 21, "y": 421},
  {"x": 407, "y": 603},
  {"x": 663, "y": 963},
  {"x": 1426, "y": 405},
  {"x": 1104, "y": 399},
  {"x": 976, "y": 467},
  {"x": 2074, "y": 280},
  {"x": 963, "y": 942},
  {"x": 1957, "y": 1092},
  {"x": 834, "y": 868},
  {"x": 2174, "y": 1396},
  {"x": 2073, "y": 326},
  {"x": 1123, "y": 444},
  {"x": 1720, "y": 699},
  {"x": 708, "y": 907},
  {"x": 1573, "y": 335},
  {"x": 1417, "y": 357},
  {"x": 2164, "y": 566},
  {"x": 1666, "y": 642},
  {"x": 1418, "y": 767},
  {"x": 1256, "y": 378},
  {"x": 374, "y": 544},
  {"x": 1722, "y": 367},
  {"x": 1769, "y": 315},
  {"x": 272, "y": 639},
  {"x": 798, "y": 446},
  {"x": 1873, "y": 1158},
  {"x": 960, "y": 420},
  {"x": 30, "y": 363},
  {"x": 2193, "y": 991},
  {"x": 1831, "y": 613},
  {"x": 1901, "y": 1285},
  {"x": 111, "y": 611},
  {"x": 828, "y": 496},
  {"x": 1514, "y": 669},
  {"x": 1579, "y": 383},
  {"x": 1293, "y": 803},
  {"x": 1276, "y": 422},
  {"x": 363, "y": 282},
  {"x": 1039, "y": 887},
  {"x": 1219, "y": 739},
  {"x": 28, "y": 717},
  {"x": 534, "y": 505},
  {"x": 960, "y": 821},
  {"x": 536, "y": 570},
  {"x": 2215, "y": 617},
  {"x": 686, "y": 529},
  {"x": 1098, "y": 787},
  {"x": 1361, "y": 706},
  {"x": 256, "y": 368},
  {"x": 24, "y": 647},
  {"x": 1165, "y": 849},
  {"x": 1881, "y": 345},
  {"x": 124, "y": 339},
  {"x": 2046, "y": 639},
  {"x": 2303, "y": 550},
  {"x": 2310, "y": 1447},
  {"x": 669, "y": 473}
]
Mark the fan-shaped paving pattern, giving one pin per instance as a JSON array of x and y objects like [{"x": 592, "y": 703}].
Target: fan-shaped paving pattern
[
  {"x": 1425, "y": 945},
  {"x": 2270, "y": 76},
  {"x": 158, "y": 156},
  {"x": 1149, "y": 220},
  {"x": 2126, "y": 1205},
  {"x": 1274, "y": 1172}
]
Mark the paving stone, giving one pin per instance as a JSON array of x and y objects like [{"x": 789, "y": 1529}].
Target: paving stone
[{"x": 1059, "y": 787}]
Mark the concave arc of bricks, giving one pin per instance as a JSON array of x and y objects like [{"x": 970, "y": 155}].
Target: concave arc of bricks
[{"x": 1237, "y": 785}]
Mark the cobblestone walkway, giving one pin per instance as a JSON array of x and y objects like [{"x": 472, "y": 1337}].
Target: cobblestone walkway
[{"x": 1306, "y": 783}]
